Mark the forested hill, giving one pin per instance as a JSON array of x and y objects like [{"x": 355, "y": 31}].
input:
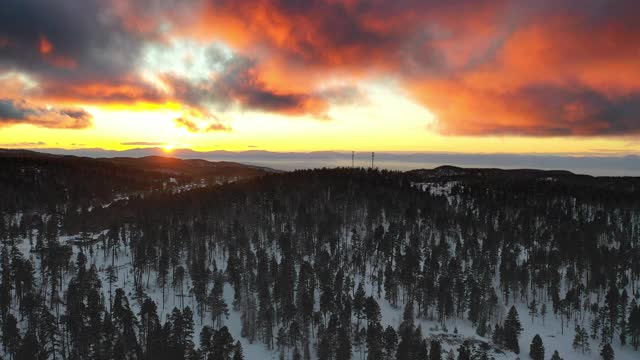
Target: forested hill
[
  {"x": 333, "y": 264},
  {"x": 33, "y": 180},
  {"x": 531, "y": 180}
]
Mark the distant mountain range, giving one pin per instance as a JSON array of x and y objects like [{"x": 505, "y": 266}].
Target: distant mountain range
[{"x": 600, "y": 165}]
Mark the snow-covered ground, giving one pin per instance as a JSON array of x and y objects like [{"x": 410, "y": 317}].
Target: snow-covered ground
[
  {"x": 440, "y": 189},
  {"x": 552, "y": 336}
]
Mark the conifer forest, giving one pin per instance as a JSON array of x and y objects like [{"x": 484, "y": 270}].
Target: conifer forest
[{"x": 104, "y": 261}]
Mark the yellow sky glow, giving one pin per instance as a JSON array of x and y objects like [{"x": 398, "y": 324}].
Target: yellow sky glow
[{"x": 387, "y": 121}]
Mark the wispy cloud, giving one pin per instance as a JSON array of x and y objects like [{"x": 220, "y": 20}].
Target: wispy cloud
[
  {"x": 24, "y": 144},
  {"x": 144, "y": 143},
  {"x": 15, "y": 112},
  {"x": 193, "y": 127}
]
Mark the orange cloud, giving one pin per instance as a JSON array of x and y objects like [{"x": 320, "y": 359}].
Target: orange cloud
[
  {"x": 187, "y": 124},
  {"x": 193, "y": 127},
  {"x": 119, "y": 91},
  {"x": 483, "y": 67},
  {"x": 561, "y": 75},
  {"x": 44, "y": 45},
  {"x": 217, "y": 127}
]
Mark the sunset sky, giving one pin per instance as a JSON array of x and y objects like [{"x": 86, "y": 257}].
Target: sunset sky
[{"x": 491, "y": 76}]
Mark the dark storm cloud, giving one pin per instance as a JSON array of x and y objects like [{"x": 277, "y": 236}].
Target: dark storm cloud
[
  {"x": 66, "y": 39},
  {"x": 76, "y": 52}
]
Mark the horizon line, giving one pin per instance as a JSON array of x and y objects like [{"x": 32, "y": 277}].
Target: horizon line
[{"x": 605, "y": 153}]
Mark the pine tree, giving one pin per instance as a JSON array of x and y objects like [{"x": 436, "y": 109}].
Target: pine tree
[
  {"x": 176, "y": 337},
  {"x": 556, "y": 356},
  {"x": 451, "y": 355},
  {"x": 512, "y": 330},
  {"x": 622, "y": 310},
  {"x": 498, "y": 335},
  {"x": 606, "y": 331},
  {"x": 464, "y": 353},
  {"x": 358, "y": 303},
  {"x": 577, "y": 339},
  {"x": 217, "y": 304},
  {"x": 222, "y": 344},
  {"x": 633, "y": 324},
  {"x": 408, "y": 344},
  {"x": 533, "y": 309},
  {"x": 206, "y": 338},
  {"x": 188, "y": 327},
  {"x": 374, "y": 346},
  {"x": 296, "y": 354},
  {"x": 391, "y": 284},
  {"x": 10, "y": 334},
  {"x": 612, "y": 301},
  {"x": 149, "y": 325},
  {"x": 390, "y": 340},
  {"x": 564, "y": 310},
  {"x": 28, "y": 347},
  {"x": 595, "y": 324},
  {"x": 282, "y": 340},
  {"x": 306, "y": 290},
  {"x": 435, "y": 350},
  {"x": 343, "y": 351},
  {"x": 480, "y": 353},
  {"x": 49, "y": 335},
  {"x": 359, "y": 341},
  {"x": 6, "y": 282},
  {"x": 607, "y": 352},
  {"x": 481, "y": 330},
  {"x": 536, "y": 349},
  {"x": 420, "y": 345},
  {"x": 124, "y": 322},
  {"x": 295, "y": 334},
  {"x": 237, "y": 352},
  {"x": 543, "y": 312},
  {"x": 112, "y": 278},
  {"x": 326, "y": 343},
  {"x": 581, "y": 340},
  {"x": 163, "y": 271}
]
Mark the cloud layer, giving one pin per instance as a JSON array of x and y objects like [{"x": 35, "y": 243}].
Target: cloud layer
[
  {"x": 14, "y": 113},
  {"x": 483, "y": 67}
]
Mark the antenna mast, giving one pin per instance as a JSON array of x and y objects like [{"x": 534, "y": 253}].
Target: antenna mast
[
  {"x": 372, "y": 157},
  {"x": 353, "y": 156}
]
